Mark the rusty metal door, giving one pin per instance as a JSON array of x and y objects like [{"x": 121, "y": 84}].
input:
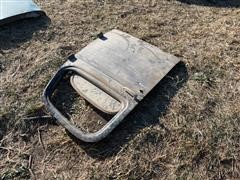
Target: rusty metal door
[{"x": 114, "y": 73}]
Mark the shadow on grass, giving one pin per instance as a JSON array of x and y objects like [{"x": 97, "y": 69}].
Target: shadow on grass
[
  {"x": 27, "y": 126},
  {"x": 3, "y": 126},
  {"x": 17, "y": 32},
  {"x": 214, "y": 3},
  {"x": 147, "y": 113}
]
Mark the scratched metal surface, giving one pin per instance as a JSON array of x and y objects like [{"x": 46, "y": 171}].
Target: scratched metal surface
[
  {"x": 135, "y": 64},
  {"x": 113, "y": 73},
  {"x": 95, "y": 96}
]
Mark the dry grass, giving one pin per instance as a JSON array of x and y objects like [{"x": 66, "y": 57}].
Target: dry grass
[{"x": 187, "y": 128}]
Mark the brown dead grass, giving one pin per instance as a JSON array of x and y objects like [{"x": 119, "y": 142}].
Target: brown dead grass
[{"x": 187, "y": 128}]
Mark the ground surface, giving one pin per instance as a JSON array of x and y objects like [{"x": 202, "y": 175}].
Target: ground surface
[{"x": 187, "y": 128}]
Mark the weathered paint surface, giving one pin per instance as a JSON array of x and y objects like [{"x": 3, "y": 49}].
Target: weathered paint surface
[
  {"x": 95, "y": 96},
  {"x": 137, "y": 65},
  {"x": 116, "y": 68},
  {"x": 17, "y": 9}
]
